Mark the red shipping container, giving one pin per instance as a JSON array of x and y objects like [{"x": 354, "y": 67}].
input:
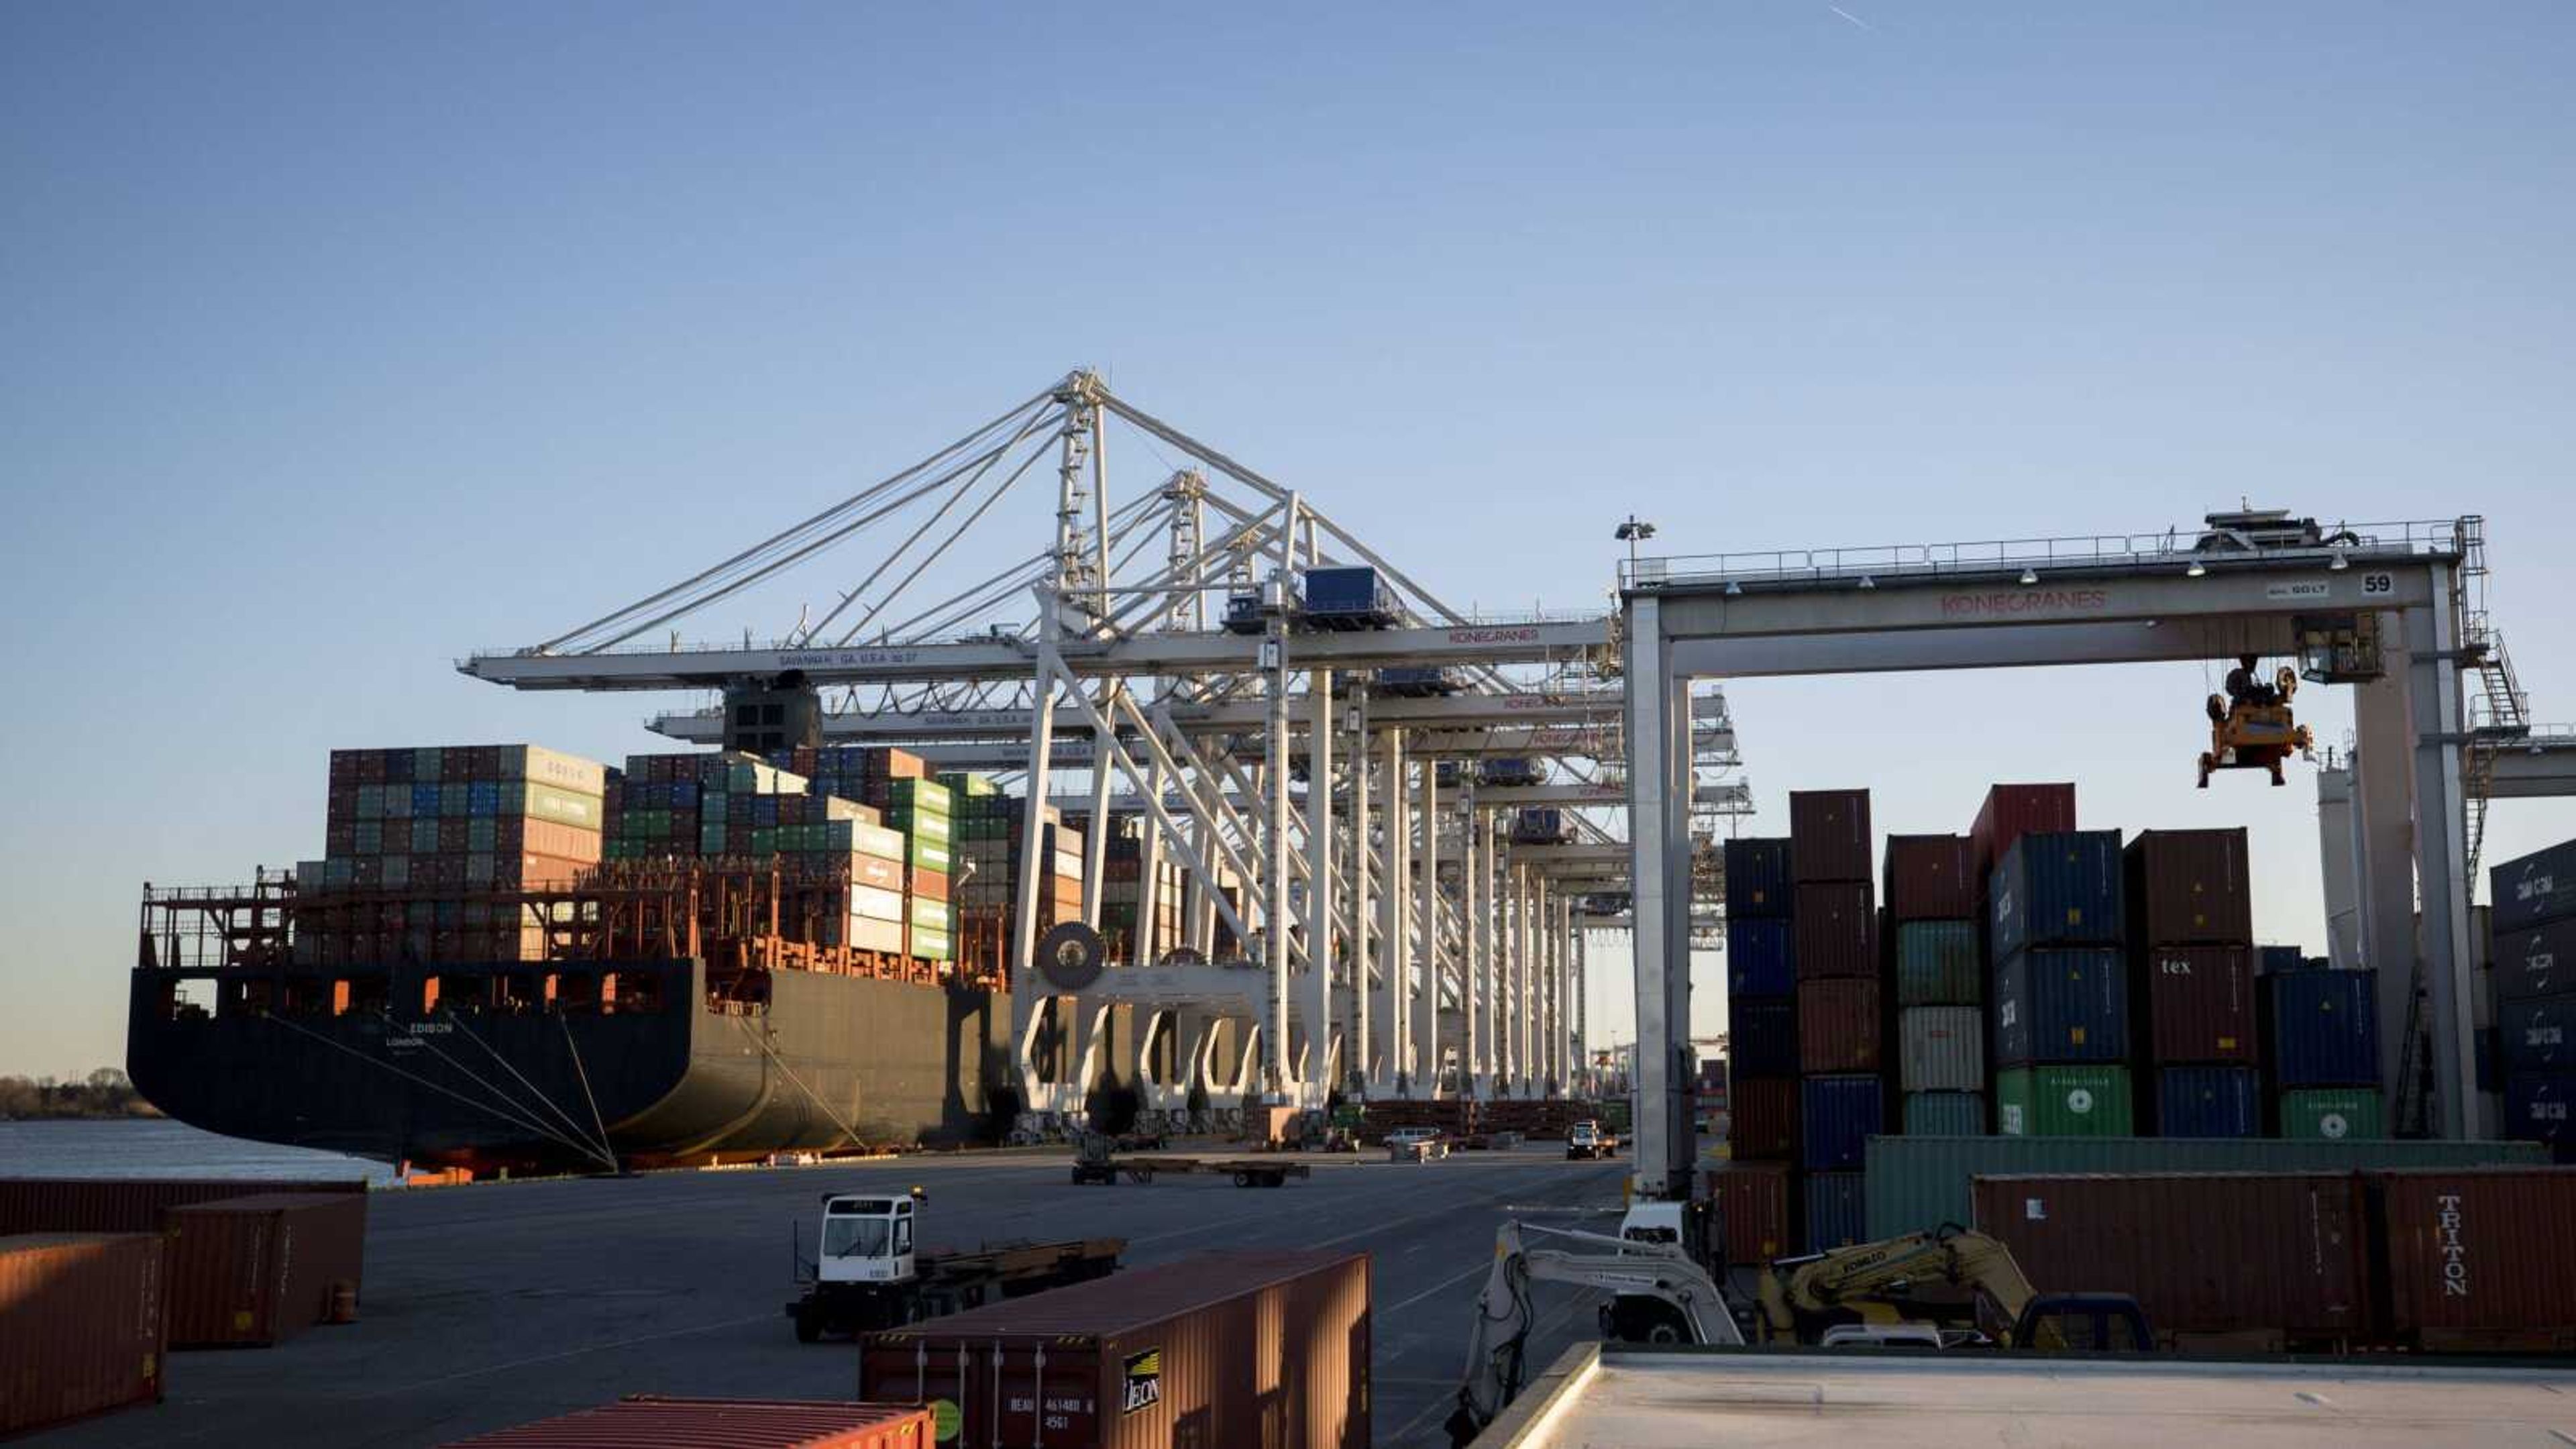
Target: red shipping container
[
  {"x": 1929, "y": 879},
  {"x": 1835, "y": 929},
  {"x": 125, "y": 1204},
  {"x": 2279, "y": 1257},
  {"x": 1829, "y": 835},
  {"x": 930, "y": 885},
  {"x": 260, "y": 1268},
  {"x": 1838, "y": 1025},
  {"x": 81, "y": 1323},
  {"x": 1252, "y": 1348},
  {"x": 642, "y": 1421},
  {"x": 1762, "y": 1119},
  {"x": 1753, "y": 1210},
  {"x": 2011, "y": 812},
  {"x": 2189, "y": 886},
  {"x": 2478, "y": 1257},
  {"x": 2193, "y": 1003}
]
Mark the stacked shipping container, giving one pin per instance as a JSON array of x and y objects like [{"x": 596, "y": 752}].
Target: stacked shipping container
[
  {"x": 1936, "y": 983},
  {"x": 2321, "y": 1046},
  {"x": 1842, "y": 1093},
  {"x": 2055, "y": 930},
  {"x": 1762, "y": 1050},
  {"x": 2191, "y": 983},
  {"x": 2533, "y": 926}
]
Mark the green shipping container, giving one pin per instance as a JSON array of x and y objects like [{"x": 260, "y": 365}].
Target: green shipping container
[
  {"x": 764, "y": 840},
  {"x": 932, "y": 945},
  {"x": 713, "y": 809},
  {"x": 1918, "y": 1183},
  {"x": 919, "y": 822},
  {"x": 931, "y": 914},
  {"x": 711, "y": 840},
  {"x": 2063, "y": 1102},
  {"x": 1937, "y": 964},
  {"x": 550, "y": 802},
  {"x": 929, "y": 797},
  {"x": 923, "y": 854},
  {"x": 2331, "y": 1114},
  {"x": 1945, "y": 1114}
]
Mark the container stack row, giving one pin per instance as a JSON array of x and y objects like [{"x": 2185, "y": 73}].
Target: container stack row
[
  {"x": 2192, "y": 983},
  {"x": 2060, "y": 975},
  {"x": 2533, "y": 948},
  {"x": 1841, "y": 1023},
  {"x": 1754, "y": 1187},
  {"x": 1938, "y": 984}
]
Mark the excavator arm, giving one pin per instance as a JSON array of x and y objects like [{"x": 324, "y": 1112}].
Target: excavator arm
[{"x": 1861, "y": 1279}]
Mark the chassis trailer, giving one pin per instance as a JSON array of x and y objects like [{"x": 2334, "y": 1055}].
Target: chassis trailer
[
  {"x": 1247, "y": 1171},
  {"x": 866, "y": 1273}
]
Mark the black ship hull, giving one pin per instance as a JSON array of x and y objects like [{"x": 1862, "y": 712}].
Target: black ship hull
[{"x": 472, "y": 1067}]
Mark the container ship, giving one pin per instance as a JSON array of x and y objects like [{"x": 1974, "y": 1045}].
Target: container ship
[{"x": 509, "y": 958}]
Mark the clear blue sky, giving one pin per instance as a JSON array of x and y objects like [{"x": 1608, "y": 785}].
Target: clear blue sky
[{"x": 336, "y": 341}]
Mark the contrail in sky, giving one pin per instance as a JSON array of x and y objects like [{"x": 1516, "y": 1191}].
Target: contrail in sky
[{"x": 1854, "y": 19}]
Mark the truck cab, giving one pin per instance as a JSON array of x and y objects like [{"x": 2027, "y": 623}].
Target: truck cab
[{"x": 867, "y": 1238}]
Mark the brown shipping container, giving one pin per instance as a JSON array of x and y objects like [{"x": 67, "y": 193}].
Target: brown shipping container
[
  {"x": 641, "y": 1421},
  {"x": 1251, "y": 1348},
  {"x": 2189, "y": 887},
  {"x": 261, "y": 1268},
  {"x": 1838, "y": 1025},
  {"x": 125, "y": 1204},
  {"x": 930, "y": 885},
  {"x": 2194, "y": 1003},
  {"x": 1762, "y": 1119},
  {"x": 2479, "y": 1257},
  {"x": 2011, "y": 812},
  {"x": 1835, "y": 930},
  {"x": 1829, "y": 835},
  {"x": 81, "y": 1325},
  {"x": 1929, "y": 879},
  {"x": 1753, "y": 1210},
  {"x": 2274, "y": 1256}
]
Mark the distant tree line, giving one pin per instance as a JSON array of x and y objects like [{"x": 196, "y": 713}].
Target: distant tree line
[{"x": 103, "y": 1093}]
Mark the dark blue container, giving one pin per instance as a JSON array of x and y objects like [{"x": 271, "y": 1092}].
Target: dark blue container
[
  {"x": 2541, "y": 1107},
  {"x": 2320, "y": 1028},
  {"x": 424, "y": 799},
  {"x": 2538, "y": 1036},
  {"x": 684, "y": 794},
  {"x": 2208, "y": 1102},
  {"x": 2538, "y": 887},
  {"x": 1762, "y": 1035},
  {"x": 1760, "y": 959},
  {"x": 1508, "y": 770},
  {"x": 1349, "y": 595},
  {"x": 2062, "y": 1004},
  {"x": 764, "y": 810},
  {"x": 483, "y": 797},
  {"x": 1757, "y": 877},
  {"x": 2268, "y": 959},
  {"x": 1837, "y": 1211},
  {"x": 1836, "y": 1118},
  {"x": 2056, "y": 890}
]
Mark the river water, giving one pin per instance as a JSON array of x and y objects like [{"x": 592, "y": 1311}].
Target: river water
[{"x": 157, "y": 1147}]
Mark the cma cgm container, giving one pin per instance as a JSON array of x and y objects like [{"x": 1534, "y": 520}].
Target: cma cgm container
[
  {"x": 2541, "y": 1107},
  {"x": 2063, "y": 1102},
  {"x": 2320, "y": 1027},
  {"x": 1940, "y": 1049},
  {"x": 2539, "y": 887},
  {"x": 1945, "y": 1114},
  {"x": 1757, "y": 877},
  {"x": 1762, "y": 1036},
  {"x": 643, "y": 1421},
  {"x": 2538, "y": 961},
  {"x": 1762, "y": 1119},
  {"x": 2189, "y": 887},
  {"x": 1266, "y": 1348},
  {"x": 1837, "y": 1211},
  {"x": 1838, "y": 1025},
  {"x": 1759, "y": 958},
  {"x": 1829, "y": 835},
  {"x": 1836, "y": 1118},
  {"x": 2281, "y": 1255},
  {"x": 1937, "y": 964},
  {"x": 1929, "y": 878},
  {"x": 1837, "y": 930},
  {"x": 2205, "y": 1101},
  {"x": 2538, "y": 1035},
  {"x": 2193, "y": 1003},
  {"x": 260, "y": 1268},
  {"x": 2061, "y": 1005},
  {"x": 2058, "y": 889},
  {"x": 1753, "y": 1210},
  {"x": 82, "y": 1318},
  {"x": 2478, "y": 1258},
  {"x": 2011, "y": 812}
]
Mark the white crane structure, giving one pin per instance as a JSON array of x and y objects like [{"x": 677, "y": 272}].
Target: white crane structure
[{"x": 1411, "y": 925}]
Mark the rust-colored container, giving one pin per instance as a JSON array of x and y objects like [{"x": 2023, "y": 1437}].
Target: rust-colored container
[
  {"x": 2189, "y": 887},
  {"x": 2479, "y": 1257},
  {"x": 1835, "y": 930},
  {"x": 930, "y": 885},
  {"x": 1762, "y": 1119},
  {"x": 1753, "y": 1210},
  {"x": 2193, "y": 1003},
  {"x": 1929, "y": 878},
  {"x": 2011, "y": 812},
  {"x": 1829, "y": 835},
  {"x": 1252, "y": 1348},
  {"x": 2266, "y": 1259},
  {"x": 255, "y": 1270},
  {"x": 1838, "y": 1025},
  {"x": 81, "y": 1325},
  {"x": 645, "y": 1421},
  {"x": 126, "y": 1204}
]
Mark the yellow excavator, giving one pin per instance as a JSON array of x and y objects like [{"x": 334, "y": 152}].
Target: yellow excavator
[
  {"x": 2251, "y": 727},
  {"x": 1943, "y": 1288}
]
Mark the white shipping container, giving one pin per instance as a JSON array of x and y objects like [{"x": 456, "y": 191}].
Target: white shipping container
[
  {"x": 553, "y": 767},
  {"x": 870, "y": 903},
  {"x": 1941, "y": 1049},
  {"x": 870, "y": 934},
  {"x": 875, "y": 840}
]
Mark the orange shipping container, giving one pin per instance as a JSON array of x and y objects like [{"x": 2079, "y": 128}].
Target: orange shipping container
[
  {"x": 644, "y": 1421},
  {"x": 1753, "y": 1210},
  {"x": 81, "y": 1325},
  {"x": 257, "y": 1269},
  {"x": 124, "y": 1204},
  {"x": 2479, "y": 1257}
]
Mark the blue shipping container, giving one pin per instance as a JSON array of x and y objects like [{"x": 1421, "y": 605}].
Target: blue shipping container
[
  {"x": 2268, "y": 959},
  {"x": 1762, "y": 1035},
  {"x": 2538, "y": 1107},
  {"x": 2057, "y": 889},
  {"x": 1945, "y": 1114},
  {"x": 1837, "y": 1210},
  {"x": 1836, "y": 1118},
  {"x": 1757, "y": 877},
  {"x": 2208, "y": 1102},
  {"x": 1759, "y": 958},
  {"x": 2538, "y": 1036},
  {"x": 2321, "y": 1028},
  {"x": 2538, "y": 887},
  {"x": 1352, "y": 592},
  {"x": 2068, "y": 1004}
]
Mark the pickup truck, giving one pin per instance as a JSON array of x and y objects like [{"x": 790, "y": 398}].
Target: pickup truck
[{"x": 1587, "y": 1139}]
